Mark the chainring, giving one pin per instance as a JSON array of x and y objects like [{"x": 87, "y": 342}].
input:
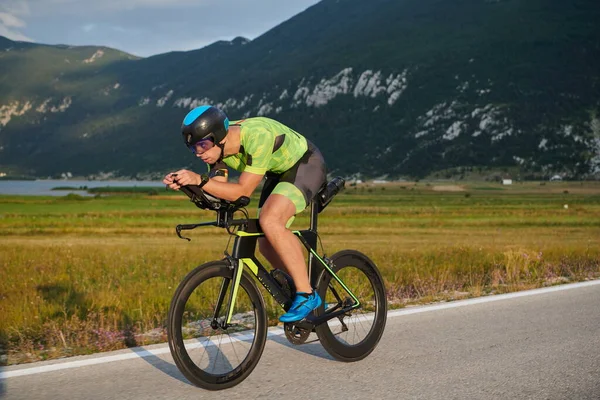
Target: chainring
[{"x": 294, "y": 334}]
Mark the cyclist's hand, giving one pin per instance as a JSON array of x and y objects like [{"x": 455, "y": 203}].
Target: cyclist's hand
[
  {"x": 184, "y": 177},
  {"x": 170, "y": 180}
]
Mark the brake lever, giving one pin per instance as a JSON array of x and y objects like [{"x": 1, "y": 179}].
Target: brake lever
[
  {"x": 182, "y": 227},
  {"x": 178, "y": 229}
]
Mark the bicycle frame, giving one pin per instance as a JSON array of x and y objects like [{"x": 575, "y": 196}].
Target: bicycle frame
[{"x": 243, "y": 255}]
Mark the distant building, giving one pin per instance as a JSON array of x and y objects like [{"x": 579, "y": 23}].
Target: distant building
[
  {"x": 507, "y": 181},
  {"x": 556, "y": 178}
]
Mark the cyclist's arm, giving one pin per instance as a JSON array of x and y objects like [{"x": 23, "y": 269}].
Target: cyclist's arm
[
  {"x": 218, "y": 172},
  {"x": 233, "y": 191},
  {"x": 259, "y": 153}
]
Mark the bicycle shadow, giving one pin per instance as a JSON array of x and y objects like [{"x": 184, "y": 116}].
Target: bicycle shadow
[
  {"x": 170, "y": 369},
  {"x": 160, "y": 364},
  {"x": 210, "y": 347},
  {"x": 312, "y": 348}
]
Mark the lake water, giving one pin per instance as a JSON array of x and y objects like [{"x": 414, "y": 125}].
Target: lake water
[{"x": 44, "y": 187}]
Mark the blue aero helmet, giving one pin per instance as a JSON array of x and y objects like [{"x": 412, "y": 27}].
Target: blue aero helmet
[{"x": 204, "y": 122}]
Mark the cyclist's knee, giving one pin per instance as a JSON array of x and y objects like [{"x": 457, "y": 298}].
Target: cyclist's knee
[
  {"x": 276, "y": 217},
  {"x": 271, "y": 223}
]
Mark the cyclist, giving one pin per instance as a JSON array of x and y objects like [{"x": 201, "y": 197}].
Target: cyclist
[{"x": 259, "y": 147}]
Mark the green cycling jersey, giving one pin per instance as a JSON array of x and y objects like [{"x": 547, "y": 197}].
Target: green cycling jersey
[{"x": 266, "y": 146}]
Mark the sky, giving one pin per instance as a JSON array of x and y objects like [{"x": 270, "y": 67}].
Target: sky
[{"x": 143, "y": 27}]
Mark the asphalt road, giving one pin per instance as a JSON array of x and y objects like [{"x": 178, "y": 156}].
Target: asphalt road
[{"x": 539, "y": 345}]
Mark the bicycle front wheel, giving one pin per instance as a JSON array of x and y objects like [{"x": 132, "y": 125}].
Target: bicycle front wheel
[
  {"x": 354, "y": 335},
  {"x": 208, "y": 355}
]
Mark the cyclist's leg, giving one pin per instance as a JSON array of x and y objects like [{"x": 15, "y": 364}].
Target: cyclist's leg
[
  {"x": 299, "y": 184},
  {"x": 269, "y": 253},
  {"x": 275, "y": 213},
  {"x": 289, "y": 197},
  {"x": 263, "y": 244}
]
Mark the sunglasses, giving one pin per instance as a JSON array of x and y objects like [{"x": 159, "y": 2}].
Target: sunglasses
[{"x": 205, "y": 144}]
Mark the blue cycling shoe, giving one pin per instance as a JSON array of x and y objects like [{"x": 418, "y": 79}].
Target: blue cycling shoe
[{"x": 302, "y": 305}]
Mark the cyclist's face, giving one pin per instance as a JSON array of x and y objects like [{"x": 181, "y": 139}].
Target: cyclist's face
[
  {"x": 202, "y": 146},
  {"x": 207, "y": 151}
]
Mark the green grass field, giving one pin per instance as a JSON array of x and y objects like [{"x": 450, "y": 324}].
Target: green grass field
[{"x": 87, "y": 274}]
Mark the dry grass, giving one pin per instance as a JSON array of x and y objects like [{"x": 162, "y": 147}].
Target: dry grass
[{"x": 95, "y": 275}]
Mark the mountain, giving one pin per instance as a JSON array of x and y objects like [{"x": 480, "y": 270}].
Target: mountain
[{"x": 398, "y": 88}]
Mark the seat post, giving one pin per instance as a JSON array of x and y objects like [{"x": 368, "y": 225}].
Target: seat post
[
  {"x": 312, "y": 242},
  {"x": 314, "y": 212}
]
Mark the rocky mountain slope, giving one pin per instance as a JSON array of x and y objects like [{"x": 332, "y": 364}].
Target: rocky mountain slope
[{"x": 397, "y": 88}]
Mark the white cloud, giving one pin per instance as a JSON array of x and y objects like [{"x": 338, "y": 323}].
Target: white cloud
[
  {"x": 128, "y": 30},
  {"x": 11, "y": 21},
  {"x": 86, "y": 7},
  {"x": 78, "y": 6},
  {"x": 15, "y": 7},
  {"x": 88, "y": 27},
  {"x": 100, "y": 28},
  {"x": 142, "y": 27},
  {"x": 10, "y": 26}
]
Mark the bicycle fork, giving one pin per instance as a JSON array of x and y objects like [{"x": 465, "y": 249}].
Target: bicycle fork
[{"x": 238, "y": 269}]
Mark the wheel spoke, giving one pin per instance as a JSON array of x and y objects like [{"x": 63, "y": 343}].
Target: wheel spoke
[
  {"x": 208, "y": 355},
  {"x": 357, "y": 281},
  {"x": 364, "y": 324}
]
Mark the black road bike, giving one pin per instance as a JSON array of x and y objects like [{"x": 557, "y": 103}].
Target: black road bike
[{"x": 218, "y": 323}]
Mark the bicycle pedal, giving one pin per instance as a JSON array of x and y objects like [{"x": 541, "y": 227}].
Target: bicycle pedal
[{"x": 294, "y": 334}]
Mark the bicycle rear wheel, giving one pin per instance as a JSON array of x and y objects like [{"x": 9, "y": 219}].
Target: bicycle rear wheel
[
  {"x": 208, "y": 355},
  {"x": 355, "y": 334}
]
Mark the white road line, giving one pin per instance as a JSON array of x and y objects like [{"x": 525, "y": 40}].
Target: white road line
[
  {"x": 142, "y": 353},
  {"x": 137, "y": 352},
  {"x": 488, "y": 299}
]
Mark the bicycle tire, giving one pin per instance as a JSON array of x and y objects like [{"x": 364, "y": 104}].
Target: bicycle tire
[
  {"x": 209, "y": 275},
  {"x": 353, "y": 262}
]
